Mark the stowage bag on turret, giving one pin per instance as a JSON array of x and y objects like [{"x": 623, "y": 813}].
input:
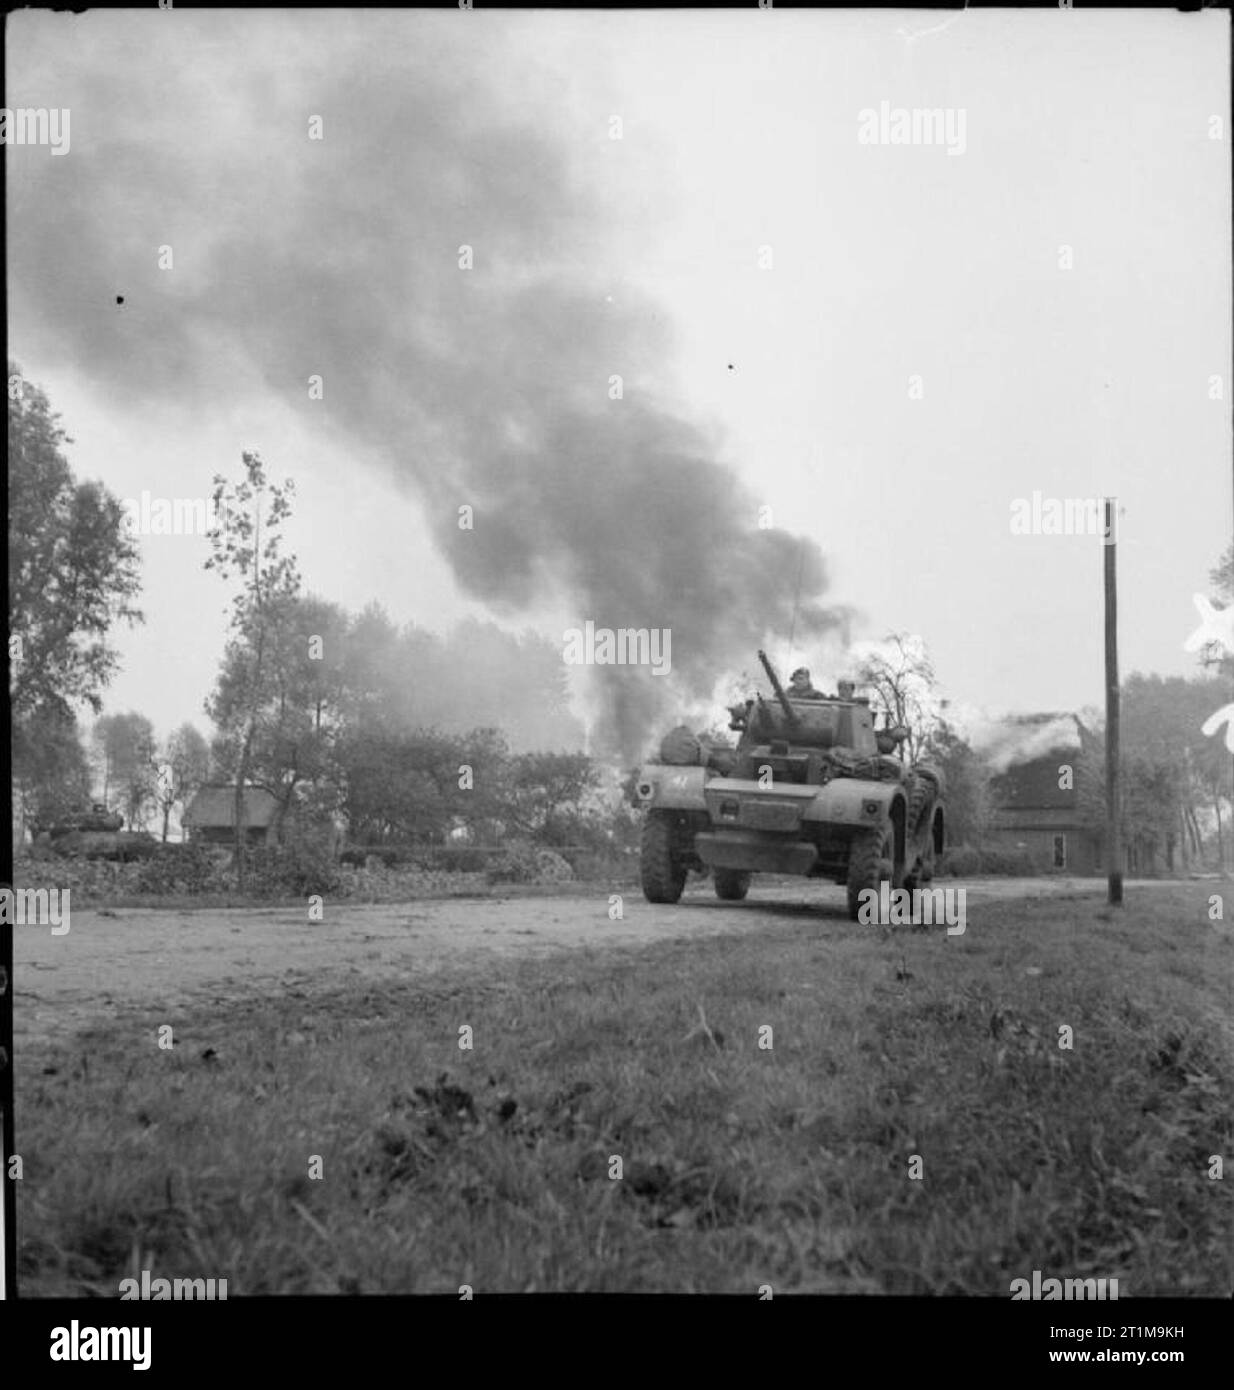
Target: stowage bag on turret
[{"x": 680, "y": 748}]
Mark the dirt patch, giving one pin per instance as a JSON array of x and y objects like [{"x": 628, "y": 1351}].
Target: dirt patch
[{"x": 165, "y": 959}]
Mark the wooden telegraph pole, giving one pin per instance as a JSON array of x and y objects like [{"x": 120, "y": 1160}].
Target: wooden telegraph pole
[{"x": 1114, "y": 864}]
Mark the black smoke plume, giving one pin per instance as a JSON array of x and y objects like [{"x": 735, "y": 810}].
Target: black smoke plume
[{"x": 487, "y": 387}]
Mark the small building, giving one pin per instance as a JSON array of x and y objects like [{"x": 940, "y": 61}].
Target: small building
[
  {"x": 1030, "y": 811},
  {"x": 211, "y": 816}
]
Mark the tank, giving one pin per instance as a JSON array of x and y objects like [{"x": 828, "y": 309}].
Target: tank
[
  {"x": 95, "y": 834},
  {"x": 812, "y": 788}
]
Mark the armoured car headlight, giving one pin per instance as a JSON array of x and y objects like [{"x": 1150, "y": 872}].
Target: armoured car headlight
[
  {"x": 645, "y": 791},
  {"x": 870, "y": 808}
]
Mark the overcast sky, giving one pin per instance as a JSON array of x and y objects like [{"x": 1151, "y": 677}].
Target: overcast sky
[{"x": 784, "y": 381}]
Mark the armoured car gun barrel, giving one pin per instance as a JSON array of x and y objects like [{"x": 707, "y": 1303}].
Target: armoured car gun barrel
[{"x": 790, "y": 714}]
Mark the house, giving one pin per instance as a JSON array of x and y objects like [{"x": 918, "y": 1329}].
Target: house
[
  {"x": 211, "y": 816},
  {"x": 1029, "y": 809}
]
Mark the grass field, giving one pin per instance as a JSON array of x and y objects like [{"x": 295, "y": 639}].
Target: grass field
[{"x": 741, "y": 1165}]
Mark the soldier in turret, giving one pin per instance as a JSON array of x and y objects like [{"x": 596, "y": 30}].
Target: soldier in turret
[{"x": 799, "y": 686}]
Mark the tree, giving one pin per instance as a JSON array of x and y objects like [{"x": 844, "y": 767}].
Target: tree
[
  {"x": 73, "y": 572},
  {"x": 1221, "y": 663},
  {"x": 373, "y": 696},
  {"x": 181, "y": 767},
  {"x": 73, "y": 567},
  {"x": 51, "y": 773},
  {"x": 966, "y": 779},
  {"x": 246, "y": 545},
  {"x": 125, "y": 755},
  {"x": 415, "y": 785},
  {"x": 548, "y": 792},
  {"x": 1172, "y": 772},
  {"x": 901, "y": 675},
  {"x": 1221, "y": 576},
  {"x": 296, "y": 721}
]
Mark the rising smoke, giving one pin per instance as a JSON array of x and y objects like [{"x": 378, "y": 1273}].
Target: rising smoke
[
  {"x": 1012, "y": 740},
  {"x": 488, "y": 387}
]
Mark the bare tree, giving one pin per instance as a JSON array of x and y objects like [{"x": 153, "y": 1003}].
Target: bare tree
[
  {"x": 181, "y": 767},
  {"x": 899, "y": 673}
]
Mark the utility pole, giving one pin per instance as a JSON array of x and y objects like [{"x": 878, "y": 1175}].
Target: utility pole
[{"x": 1114, "y": 864}]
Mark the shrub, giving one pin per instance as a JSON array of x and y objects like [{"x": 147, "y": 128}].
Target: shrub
[
  {"x": 389, "y": 855},
  {"x": 614, "y": 864},
  {"x": 552, "y": 868},
  {"x": 461, "y": 859},
  {"x": 518, "y": 863},
  {"x": 185, "y": 868},
  {"x": 298, "y": 869}
]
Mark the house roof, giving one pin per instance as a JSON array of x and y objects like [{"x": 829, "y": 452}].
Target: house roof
[
  {"x": 1030, "y": 749},
  {"x": 215, "y": 807},
  {"x": 1034, "y": 784}
]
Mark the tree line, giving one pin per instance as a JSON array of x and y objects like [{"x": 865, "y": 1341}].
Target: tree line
[
  {"x": 408, "y": 734},
  {"x": 405, "y": 733}
]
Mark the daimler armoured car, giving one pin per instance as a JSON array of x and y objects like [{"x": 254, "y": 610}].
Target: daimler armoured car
[{"x": 811, "y": 788}]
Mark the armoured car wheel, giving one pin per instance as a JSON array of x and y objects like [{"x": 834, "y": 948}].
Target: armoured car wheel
[
  {"x": 919, "y": 829},
  {"x": 663, "y": 874},
  {"x": 924, "y": 791},
  {"x": 871, "y": 863},
  {"x": 732, "y": 884}
]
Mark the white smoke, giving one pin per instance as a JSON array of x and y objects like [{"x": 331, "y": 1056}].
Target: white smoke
[{"x": 1009, "y": 739}]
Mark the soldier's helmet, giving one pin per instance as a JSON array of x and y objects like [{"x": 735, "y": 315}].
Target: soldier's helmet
[{"x": 801, "y": 676}]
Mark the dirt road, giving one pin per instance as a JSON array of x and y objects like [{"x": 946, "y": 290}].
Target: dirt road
[{"x": 165, "y": 959}]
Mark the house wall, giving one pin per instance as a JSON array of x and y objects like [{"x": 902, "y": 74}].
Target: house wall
[{"x": 1083, "y": 848}]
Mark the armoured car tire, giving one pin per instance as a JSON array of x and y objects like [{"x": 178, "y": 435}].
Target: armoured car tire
[
  {"x": 732, "y": 884},
  {"x": 871, "y": 863},
  {"x": 663, "y": 874},
  {"x": 924, "y": 792},
  {"x": 919, "y": 822}
]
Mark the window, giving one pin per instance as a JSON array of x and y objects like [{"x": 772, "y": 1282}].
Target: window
[{"x": 1060, "y": 851}]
